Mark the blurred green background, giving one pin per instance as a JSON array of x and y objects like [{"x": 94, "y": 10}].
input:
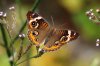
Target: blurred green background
[{"x": 67, "y": 14}]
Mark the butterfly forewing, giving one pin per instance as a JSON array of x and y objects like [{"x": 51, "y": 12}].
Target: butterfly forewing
[{"x": 38, "y": 28}]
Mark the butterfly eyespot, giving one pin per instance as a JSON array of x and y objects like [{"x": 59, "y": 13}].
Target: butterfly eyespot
[
  {"x": 35, "y": 24},
  {"x": 63, "y": 38},
  {"x": 35, "y": 33}
]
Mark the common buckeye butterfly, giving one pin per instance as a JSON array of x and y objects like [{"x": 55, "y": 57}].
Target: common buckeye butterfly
[{"x": 39, "y": 31}]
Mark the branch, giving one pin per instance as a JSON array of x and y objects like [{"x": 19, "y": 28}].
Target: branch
[{"x": 5, "y": 42}]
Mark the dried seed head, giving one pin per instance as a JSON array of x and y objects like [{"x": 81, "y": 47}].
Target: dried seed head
[
  {"x": 22, "y": 36},
  {"x": 91, "y": 15},
  {"x": 98, "y": 10},
  {"x": 12, "y": 8},
  {"x": 91, "y": 10},
  {"x": 88, "y": 13},
  {"x": 1, "y": 15},
  {"x": 5, "y": 15},
  {"x": 97, "y": 42}
]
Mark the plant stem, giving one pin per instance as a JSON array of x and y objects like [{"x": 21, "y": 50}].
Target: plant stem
[
  {"x": 6, "y": 42},
  {"x": 36, "y": 4},
  {"x": 36, "y": 56}
]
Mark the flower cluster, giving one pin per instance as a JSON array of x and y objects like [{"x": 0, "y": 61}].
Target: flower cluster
[
  {"x": 4, "y": 15},
  {"x": 92, "y": 15},
  {"x": 9, "y": 20},
  {"x": 97, "y": 42}
]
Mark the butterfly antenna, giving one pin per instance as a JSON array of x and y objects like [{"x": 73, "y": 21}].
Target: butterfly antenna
[
  {"x": 54, "y": 24},
  {"x": 61, "y": 26},
  {"x": 52, "y": 21}
]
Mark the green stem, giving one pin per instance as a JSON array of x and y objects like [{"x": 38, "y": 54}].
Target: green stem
[
  {"x": 36, "y": 56},
  {"x": 37, "y": 49},
  {"x": 36, "y": 4},
  {"x": 20, "y": 51},
  {"x": 6, "y": 42},
  {"x": 25, "y": 23}
]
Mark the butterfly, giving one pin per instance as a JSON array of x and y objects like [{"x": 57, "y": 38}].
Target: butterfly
[{"x": 40, "y": 32}]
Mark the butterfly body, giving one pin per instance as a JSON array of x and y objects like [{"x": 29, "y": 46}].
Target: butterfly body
[{"x": 39, "y": 31}]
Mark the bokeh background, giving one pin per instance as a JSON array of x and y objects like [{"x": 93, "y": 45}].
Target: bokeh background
[{"x": 66, "y": 14}]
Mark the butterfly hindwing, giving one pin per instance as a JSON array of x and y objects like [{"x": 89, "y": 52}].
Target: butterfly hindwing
[{"x": 58, "y": 38}]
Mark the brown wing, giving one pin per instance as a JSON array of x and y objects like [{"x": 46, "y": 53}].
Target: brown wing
[
  {"x": 38, "y": 28},
  {"x": 57, "y": 38},
  {"x": 35, "y": 21}
]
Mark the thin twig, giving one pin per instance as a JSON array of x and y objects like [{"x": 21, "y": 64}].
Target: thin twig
[
  {"x": 27, "y": 49},
  {"x": 36, "y": 56},
  {"x": 5, "y": 20},
  {"x": 5, "y": 42},
  {"x": 20, "y": 51},
  {"x": 37, "y": 49}
]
